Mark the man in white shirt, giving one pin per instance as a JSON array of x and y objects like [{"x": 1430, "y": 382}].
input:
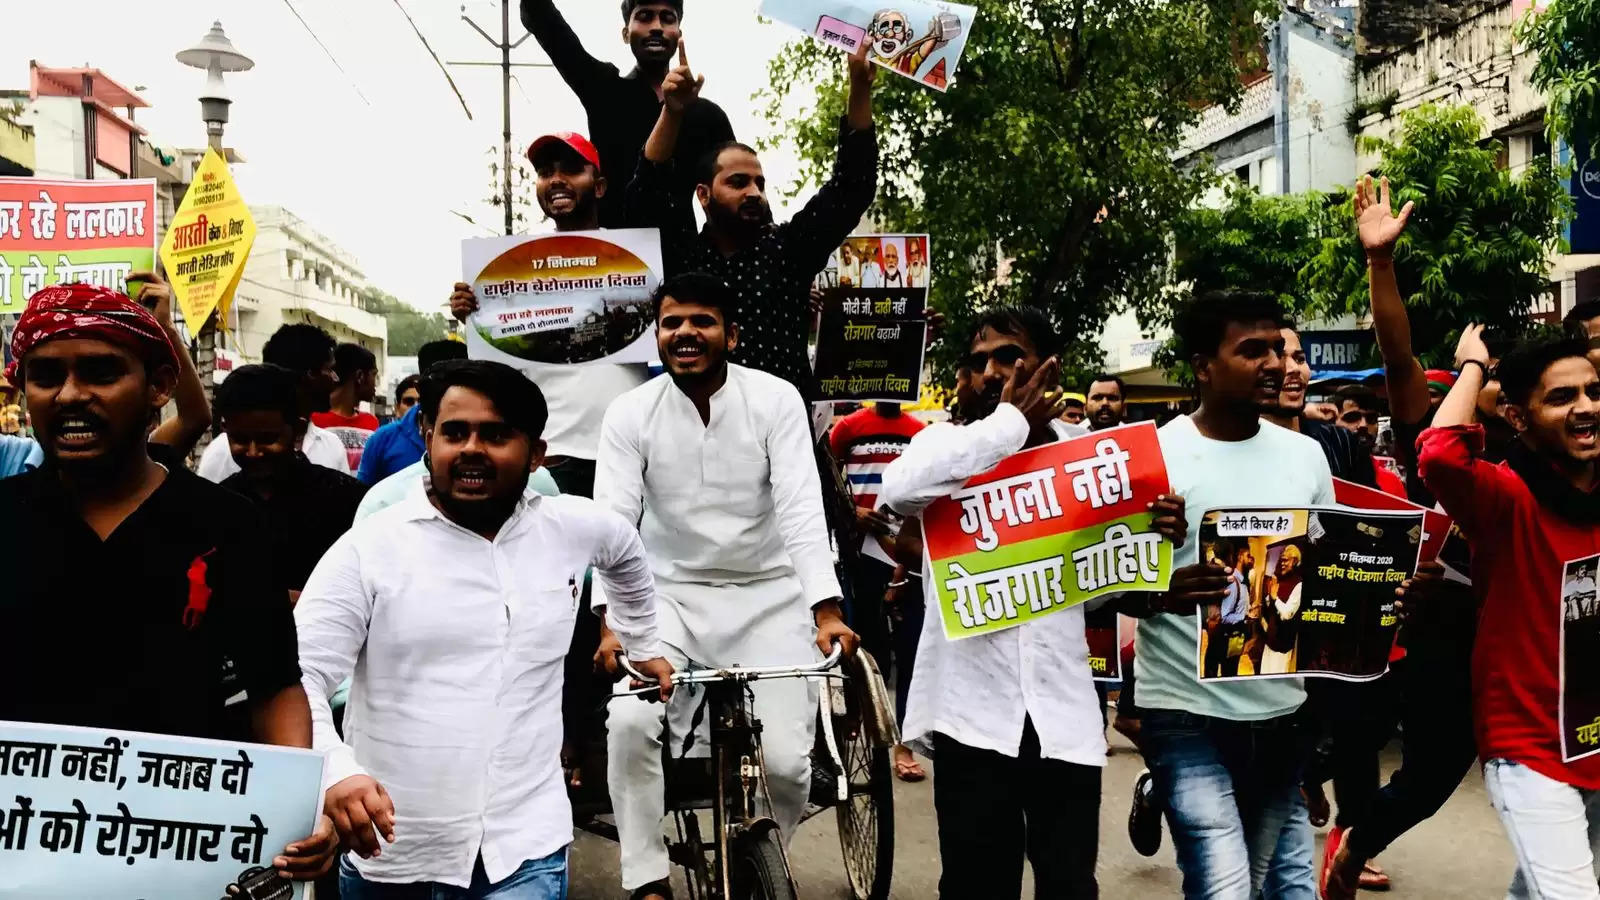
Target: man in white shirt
[
  {"x": 715, "y": 464},
  {"x": 454, "y": 609},
  {"x": 308, "y": 351},
  {"x": 1227, "y": 757},
  {"x": 1011, "y": 719}
]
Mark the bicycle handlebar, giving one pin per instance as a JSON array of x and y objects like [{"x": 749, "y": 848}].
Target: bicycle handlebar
[{"x": 738, "y": 673}]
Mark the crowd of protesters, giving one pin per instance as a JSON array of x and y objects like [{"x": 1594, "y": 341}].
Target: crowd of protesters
[{"x": 463, "y": 578}]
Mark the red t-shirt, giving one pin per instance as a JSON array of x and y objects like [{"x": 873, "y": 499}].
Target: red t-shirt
[
  {"x": 1519, "y": 556},
  {"x": 352, "y": 431},
  {"x": 864, "y": 443}
]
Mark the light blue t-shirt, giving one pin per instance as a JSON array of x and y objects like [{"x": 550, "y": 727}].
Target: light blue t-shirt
[
  {"x": 393, "y": 489},
  {"x": 18, "y": 455},
  {"x": 1277, "y": 467}
]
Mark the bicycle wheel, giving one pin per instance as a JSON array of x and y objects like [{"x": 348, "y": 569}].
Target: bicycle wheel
[
  {"x": 758, "y": 868},
  {"x": 866, "y": 819}
]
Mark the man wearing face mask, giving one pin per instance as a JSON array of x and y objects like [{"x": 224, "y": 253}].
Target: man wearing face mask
[
  {"x": 770, "y": 267},
  {"x": 623, "y": 108},
  {"x": 715, "y": 464},
  {"x": 458, "y": 604}
]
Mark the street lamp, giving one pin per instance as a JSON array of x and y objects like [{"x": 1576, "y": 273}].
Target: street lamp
[{"x": 215, "y": 54}]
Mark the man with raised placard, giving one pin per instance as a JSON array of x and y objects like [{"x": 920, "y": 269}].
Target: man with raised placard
[{"x": 1009, "y": 716}]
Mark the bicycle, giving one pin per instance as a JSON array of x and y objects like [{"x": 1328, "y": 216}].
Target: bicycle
[{"x": 743, "y": 858}]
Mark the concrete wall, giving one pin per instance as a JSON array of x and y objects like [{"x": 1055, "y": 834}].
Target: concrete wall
[
  {"x": 1317, "y": 92},
  {"x": 58, "y": 136}
]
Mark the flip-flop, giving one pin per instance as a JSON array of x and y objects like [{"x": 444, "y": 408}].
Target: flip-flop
[
  {"x": 909, "y": 770},
  {"x": 1374, "y": 878}
]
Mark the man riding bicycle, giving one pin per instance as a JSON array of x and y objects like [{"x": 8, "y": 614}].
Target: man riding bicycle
[{"x": 715, "y": 464}]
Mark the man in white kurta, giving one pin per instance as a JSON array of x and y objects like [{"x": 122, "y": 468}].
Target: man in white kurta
[{"x": 722, "y": 480}]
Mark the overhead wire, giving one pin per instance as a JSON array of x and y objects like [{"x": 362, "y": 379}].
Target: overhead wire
[
  {"x": 436, "y": 60},
  {"x": 331, "y": 58}
]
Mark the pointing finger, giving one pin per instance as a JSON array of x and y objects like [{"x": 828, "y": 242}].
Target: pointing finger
[{"x": 683, "y": 54}]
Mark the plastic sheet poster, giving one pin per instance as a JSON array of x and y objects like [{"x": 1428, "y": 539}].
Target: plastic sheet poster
[
  {"x": 208, "y": 243},
  {"x": 121, "y": 815},
  {"x": 564, "y": 299},
  {"x": 920, "y": 39},
  {"x": 1048, "y": 529},
  {"x": 1580, "y": 647},
  {"x": 1313, "y": 591},
  {"x": 58, "y": 232}
]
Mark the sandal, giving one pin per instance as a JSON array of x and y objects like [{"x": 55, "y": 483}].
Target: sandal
[
  {"x": 907, "y": 769},
  {"x": 1374, "y": 878}
]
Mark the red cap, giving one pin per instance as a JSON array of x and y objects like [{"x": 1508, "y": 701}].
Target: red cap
[
  {"x": 577, "y": 142},
  {"x": 1441, "y": 378}
]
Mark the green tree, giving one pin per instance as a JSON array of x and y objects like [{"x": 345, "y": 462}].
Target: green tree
[
  {"x": 1053, "y": 148},
  {"x": 1566, "y": 39},
  {"x": 409, "y": 327},
  {"x": 1479, "y": 244}
]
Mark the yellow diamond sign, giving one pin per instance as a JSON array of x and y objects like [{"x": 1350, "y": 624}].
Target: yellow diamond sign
[{"x": 208, "y": 242}]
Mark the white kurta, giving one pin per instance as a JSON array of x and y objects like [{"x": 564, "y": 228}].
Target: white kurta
[
  {"x": 730, "y": 512},
  {"x": 731, "y": 515},
  {"x": 980, "y": 690}
]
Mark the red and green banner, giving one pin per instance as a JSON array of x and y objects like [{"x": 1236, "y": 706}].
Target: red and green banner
[
  {"x": 1048, "y": 529},
  {"x": 55, "y": 232}
]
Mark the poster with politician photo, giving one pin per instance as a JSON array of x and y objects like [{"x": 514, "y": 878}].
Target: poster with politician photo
[
  {"x": 1580, "y": 647},
  {"x": 1312, "y": 591}
]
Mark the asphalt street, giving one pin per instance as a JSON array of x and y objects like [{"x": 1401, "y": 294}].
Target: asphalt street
[{"x": 1461, "y": 853}]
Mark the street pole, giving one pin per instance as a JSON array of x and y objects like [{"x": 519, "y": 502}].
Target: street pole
[{"x": 505, "y": 45}]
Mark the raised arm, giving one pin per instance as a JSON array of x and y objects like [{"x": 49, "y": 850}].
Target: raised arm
[
  {"x": 833, "y": 213},
  {"x": 1379, "y": 230},
  {"x": 581, "y": 71},
  {"x": 183, "y": 431},
  {"x": 651, "y": 200},
  {"x": 1449, "y": 454}
]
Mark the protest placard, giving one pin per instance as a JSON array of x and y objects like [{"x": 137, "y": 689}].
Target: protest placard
[
  {"x": 873, "y": 331},
  {"x": 1580, "y": 646},
  {"x": 1000, "y": 548},
  {"x": 1435, "y": 524},
  {"x": 208, "y": 243},
  {"x": 897, "y": 39},
  {"x": 1102, "y": 630},
  {"x": 1313, "y": 591},
  {"x": 564, "y": 299},
  {"x": 55, "y": 232},
  {"x": 121, "y": 815}
]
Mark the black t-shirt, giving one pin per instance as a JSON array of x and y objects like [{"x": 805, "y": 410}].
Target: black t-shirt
[
  {"x": 1347, "y": 459},
  {"x": 153, "y": 629},
  {"x": 311, "y": 507},
  {"x": 622, "y": 111}
]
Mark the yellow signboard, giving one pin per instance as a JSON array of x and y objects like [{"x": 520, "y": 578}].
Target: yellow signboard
[{"x": 206, "y": 247}]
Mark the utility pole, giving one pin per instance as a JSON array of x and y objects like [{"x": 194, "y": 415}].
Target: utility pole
[{"x": 505, "y": 46}]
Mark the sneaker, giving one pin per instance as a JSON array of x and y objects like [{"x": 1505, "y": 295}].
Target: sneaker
[{"x": 1144, "y": 819}]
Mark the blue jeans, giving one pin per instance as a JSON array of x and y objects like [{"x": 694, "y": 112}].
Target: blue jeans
[
  {"x": 1232, "y": 795},
  {"x": 536, "y": 879}
]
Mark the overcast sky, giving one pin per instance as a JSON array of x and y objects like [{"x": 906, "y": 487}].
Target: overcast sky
[{"x": 379, "y": 176}]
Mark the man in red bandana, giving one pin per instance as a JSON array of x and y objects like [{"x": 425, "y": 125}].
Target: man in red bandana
[{"x": 146, "y": 601}]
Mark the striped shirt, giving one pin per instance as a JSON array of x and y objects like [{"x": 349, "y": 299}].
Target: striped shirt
[{"x": 864, "y": 443}]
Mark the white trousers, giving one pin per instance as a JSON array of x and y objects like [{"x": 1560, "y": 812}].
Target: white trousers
[
  {"x": 787, "y": 709},
  {"x": 1554, "y": 829}
]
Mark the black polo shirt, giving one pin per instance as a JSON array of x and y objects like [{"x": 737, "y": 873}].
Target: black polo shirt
[
  {"x": 152, "y": 629},
  {"x": 311, "y": 507},
  {"x": 622, "y": 111}
]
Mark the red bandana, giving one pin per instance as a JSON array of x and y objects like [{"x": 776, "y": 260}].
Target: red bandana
[{"x": 86, "y": 311}]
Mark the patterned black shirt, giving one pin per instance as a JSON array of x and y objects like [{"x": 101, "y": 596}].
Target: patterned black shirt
[{"x": 773, "y": 276}]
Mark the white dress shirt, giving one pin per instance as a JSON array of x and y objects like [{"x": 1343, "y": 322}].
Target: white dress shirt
[
  {"x": 457, "y": 645},
  {"x": 979, "y": 690},
  {"x": 730, "y": 512},
  {"x": 320, "y": 446}
]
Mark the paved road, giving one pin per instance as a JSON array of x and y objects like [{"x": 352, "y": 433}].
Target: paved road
[{"x": 1459, "y": 854}]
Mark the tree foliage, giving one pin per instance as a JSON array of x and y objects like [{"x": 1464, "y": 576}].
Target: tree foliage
[
  {"x": 1566, "y": 39},
  {"x": 1477, "y": 248},
  {"x": 409, "y": 327},
  {"x": 1053, "y": 148}
]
